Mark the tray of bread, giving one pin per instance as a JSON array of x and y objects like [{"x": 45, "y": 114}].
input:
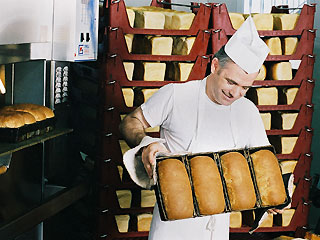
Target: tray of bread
[
  {"x": 202, "y": 184},
  {"x": 19, "y": 122}
]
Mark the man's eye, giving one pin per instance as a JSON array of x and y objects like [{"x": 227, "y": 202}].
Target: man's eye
[{"x": 230, "y": 82}]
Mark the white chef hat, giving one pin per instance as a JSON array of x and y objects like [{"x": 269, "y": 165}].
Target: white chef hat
[{"x": 246, "y": 48}]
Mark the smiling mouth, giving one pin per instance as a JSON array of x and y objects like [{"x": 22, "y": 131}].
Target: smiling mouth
[{"x": 226, "y": 95}]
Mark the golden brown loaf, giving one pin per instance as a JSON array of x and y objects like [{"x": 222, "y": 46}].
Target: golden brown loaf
[
  {"x": 207, "y": 185},
  {"x": 237, "y": 175},
  {"x": 175, "y": 189},
  {"x": 269, "y": 178},
  {"x": 27, "y": 117},
  {"x": 11, "y": 119},
  {"x": 38, "y": 111}
]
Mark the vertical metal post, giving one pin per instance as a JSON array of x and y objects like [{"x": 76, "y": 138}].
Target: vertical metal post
[
  {"x": 52, "y": 81},
  {"x": 44, "y": 81},
  {"x": 12, "y": 84}
]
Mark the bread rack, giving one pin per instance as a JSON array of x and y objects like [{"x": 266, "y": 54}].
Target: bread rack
[{"x": 212, "y": 27}]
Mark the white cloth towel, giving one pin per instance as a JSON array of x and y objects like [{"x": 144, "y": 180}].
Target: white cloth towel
[{"x": 135, "y": 166}]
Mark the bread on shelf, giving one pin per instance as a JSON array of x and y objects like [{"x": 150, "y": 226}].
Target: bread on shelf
[
  {"x": 263, "y": 21},
  {"x": 124, "y": 198},
  {"x": 263, "y": 96},
  {"x": 289, "y": 45},
  {"x": 148, "y": 198},
  {"x": 124, "y": 146},
  {"x": 268, "y": 177},
  {"x": 144, "y": 222},
  {"x": 266, "y": 119},
  {"x": 178, "y": 71},
  {"x": 182, "y": 45},
  {"x": 285, "y": 218},
  {"x": 281, "y": 71},
  {"x": 288, "y": 144},
  {"x": 236, "y": 19},
  {"x": 149, "y": 18},
  {"x": 131, "y": 16},
  {"x": 238, "y": 180},
  {"x": 128, "y": 96},
  {"x": 289, "y": 95},
  {"x": 175, "y": 189},
  {"x": 284, "y": 121},
  {"x": 288, "y": 166},
  {"x": 129, "y": 40},
  {"x": 274, "y": 44},
  {"x": 149, "y": 71},
  {"x": 129, "y": 68},
  {"x": 262, "y": 73},
  {"x": 11, "y": 119},
  {"x": 207, "y": 185},
  {"x": 182, "y": 20},
  {"x": 122, "y": 222},
  {"x": 154, "y": 45},
  {"x": 235, "y": 220},
  {"x": 285, "y": 21}
]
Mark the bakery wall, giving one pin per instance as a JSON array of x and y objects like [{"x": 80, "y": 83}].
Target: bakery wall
[{"x": 315, "y": 167}]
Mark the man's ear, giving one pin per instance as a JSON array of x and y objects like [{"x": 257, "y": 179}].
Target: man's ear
[{"x": 214, "y": 65}]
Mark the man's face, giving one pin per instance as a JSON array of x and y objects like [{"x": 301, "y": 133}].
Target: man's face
[{"x": 226, "y": 85}]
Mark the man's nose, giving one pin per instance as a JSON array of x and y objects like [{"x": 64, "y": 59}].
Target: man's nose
[{"x": 237, "y": 91}]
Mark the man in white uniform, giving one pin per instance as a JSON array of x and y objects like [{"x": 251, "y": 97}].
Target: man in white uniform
[{"x": 200, "y": 116}]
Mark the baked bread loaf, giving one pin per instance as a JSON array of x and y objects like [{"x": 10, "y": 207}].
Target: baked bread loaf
[
  {"x": 289, "y": 45},
  {"x": 128, "y": 96},
  {"x": 148, "y": 198},
  {"x": 128, "y": 68},
  {"x": 274, "y": 45},
  {"x": 11, "y": 119},
  {"x": 131, "y": 16},
  {"x": 263, "y": 21},
  {"x": 235, "y": 220},
  {"x": 39, "y": 112},
  {"x": 237, "y": 176},
  {"x": 236, "y": 19},
  {"x": 144, "y": 222},
  {"x": 175, "y": 189},
  {"x": 129, "y": 40},
  {"x": 124, "y": 198},
  {"x": 269, "y": 179},
  {"x": 285, "y": 21},
  {"x": 266, "y": 119},
  {"x": 281, "y": 71},
  {"x": 288, "y": 166},
  {"x": 262, "y": 73},
  {"x": 149, "y": 71},
  {"x": 207, "y": 185},
  {"x": 122, "y": 222}
]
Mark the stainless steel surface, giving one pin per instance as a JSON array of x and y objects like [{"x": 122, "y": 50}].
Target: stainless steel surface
[
  {"x": 48, "y": 29},
  {"x": 13, "y": 53}
]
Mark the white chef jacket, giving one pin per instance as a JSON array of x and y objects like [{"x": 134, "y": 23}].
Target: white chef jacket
[{"x": 191, "y": 122}]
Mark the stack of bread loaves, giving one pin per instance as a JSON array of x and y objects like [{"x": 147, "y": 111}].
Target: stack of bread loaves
[
  {"x": 203, "y": 185},
  {"x": 18, "y": 115}
]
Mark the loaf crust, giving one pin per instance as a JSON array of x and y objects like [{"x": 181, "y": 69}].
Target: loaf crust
[
  {"x": 11, "y": 119},
  {"x": 237, "y": 176},
  {"x": 268, "y": 177},
  {"x": 175, "y": 189},
  {"x": 207, "y": 185}
]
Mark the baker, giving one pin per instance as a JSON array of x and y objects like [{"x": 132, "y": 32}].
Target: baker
[{"x": 206, "y": 115}]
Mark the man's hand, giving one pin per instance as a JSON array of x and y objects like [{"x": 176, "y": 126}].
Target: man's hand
[
  {"x": 275, "y": 211},
  {"x": 149, "y": 156}
]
